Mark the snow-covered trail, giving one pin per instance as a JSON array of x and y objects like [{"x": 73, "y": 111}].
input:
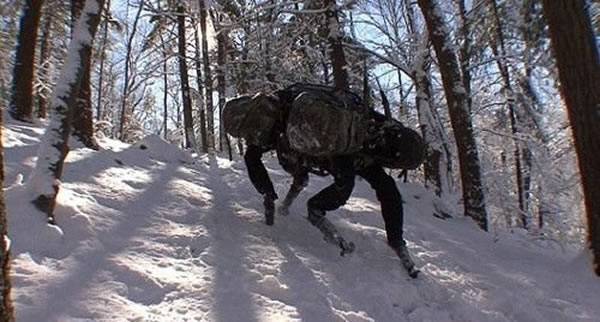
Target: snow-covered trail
[{"x": 151, "y": 234}]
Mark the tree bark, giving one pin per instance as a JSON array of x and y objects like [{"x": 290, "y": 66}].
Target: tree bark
[
  {"x": 458, "y": 106},
  {"x": 165, "y": 87},
  {"x": 83, "y": 121},
  {"x": 465, "y": 51},
  {"x": 578, "y": 65},
  {"x": 208, "y": 87},
  {"x": 102, "y": 59},
  {"x": 336, "y": 49},
  {"x": 201, "y": 108},
  {"x": 402, "y": 110},
  {"x": 188, "y": 124},
  {"x": 44, "y": 180},
  {"x": 21, "y": 102}
]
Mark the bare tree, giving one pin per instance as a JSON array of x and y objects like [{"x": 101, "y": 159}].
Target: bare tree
[
  {"x": 458, "y": 106},
  {"x": 529, "y": 102},
  {"x": 208, "y": 86},
  {"x": 188, "y": 125},
  {"x": 437, "y": 167},
  {"x": 124, "y": 120},
  {"x": 578, "y": 65},
  {"x": 45, "y": 48},
  {"x": 21, "y": 102},
  {"x": 499, "y": 50},
  {"x": 102, "y": 60},
  {"x": 165, "y": 65},
  {"x": 202, "y": 106},
  {"x": 222, "y": 41}
]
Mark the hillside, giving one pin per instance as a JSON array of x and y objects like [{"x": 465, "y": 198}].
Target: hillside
[{"x": 148, "y": 232}]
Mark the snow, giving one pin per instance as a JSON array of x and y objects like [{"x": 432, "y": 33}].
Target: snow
[{"x": 148, "y": 232}]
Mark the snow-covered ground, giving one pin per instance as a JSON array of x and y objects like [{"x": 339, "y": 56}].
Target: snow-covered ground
[{"x": 150, "y": 233}]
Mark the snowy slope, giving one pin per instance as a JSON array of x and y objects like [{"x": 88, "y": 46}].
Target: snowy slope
[{"x": 148, "y": 233}]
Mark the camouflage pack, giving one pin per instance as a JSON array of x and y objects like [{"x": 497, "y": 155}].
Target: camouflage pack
[
  {"x": 251, "y": 118},
  {"x": 324, "y": 121}
]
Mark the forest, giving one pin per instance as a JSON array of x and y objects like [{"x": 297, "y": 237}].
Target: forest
[{"x": 505, "y": 94}]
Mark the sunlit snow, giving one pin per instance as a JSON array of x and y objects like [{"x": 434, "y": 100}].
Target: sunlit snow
[{"x": 148, "y": 232}]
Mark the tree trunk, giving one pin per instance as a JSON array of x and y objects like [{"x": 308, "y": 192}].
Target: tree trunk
[
  {"x": 165, "y": 88},
  {"x": 201, "y": 104},
  {"x": 83, "y": 119},
  {"x": 336, "y": 49},
  {"x": 542, "y": 210},
  {"x": 210, "y": 115},
  {"x": 437, "y": 160},
  {"x": 21, "y": 102},
  {"x": 222, "y": 40},
  {"x": 110, "y": 108},
  {"x": 6, "y": 307},
  {"x": 241, "y": 87},
  {"x": 578, "y": 65},
  {"x": 366, "y": 96},
  {"x": 45, "y": 178},
  {"x": 465, "y": 52},
  {"x": 45, "y": 49},
  {"x": 458, "y": 106},
  {"x": 325, "y": 65},
  {"x": 102, "y": 59},
  {"x": 402, "y": 110},
  {"x": 123, "y": 124},
  {"x": 188, "y": 124},
  {"x": 499, "y": 50},
  {"x": 270, "y": 71},
  {"x": 83, "y": 122},
  {"x": 437, "y": 168},
  {"x": 528, "y": 103}
]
